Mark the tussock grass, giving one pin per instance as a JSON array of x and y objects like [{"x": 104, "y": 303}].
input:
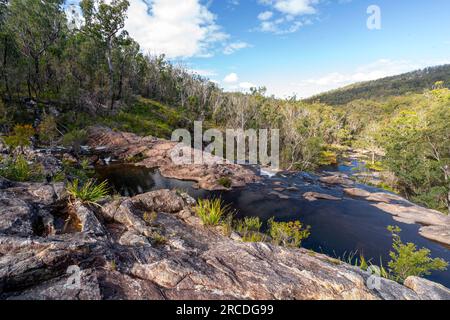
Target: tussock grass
[
  {"x": 89, "y": 192},
  {"x": 211, "y": 211}
]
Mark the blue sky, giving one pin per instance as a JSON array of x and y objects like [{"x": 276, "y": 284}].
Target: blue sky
[{"x": 300, "y": 47}]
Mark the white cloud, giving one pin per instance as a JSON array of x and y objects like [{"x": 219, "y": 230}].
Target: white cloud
[
  {"x": 235, "y": 46},
  {"x": 295, "y": 7},
  {"x": 203, "y": 72},
  {"x": 246, "y": 85},
  {"x": 231, "y": 78},
  {"x": 290, "y": 17},
  {"x": 176, "y": 28},
  {"x": 266, "y": 15}
]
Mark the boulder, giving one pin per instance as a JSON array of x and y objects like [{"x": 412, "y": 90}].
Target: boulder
[
  {"x": 314, "y": 196},
  {"x": 439, "y": 234},
  {"x": 337, "y": 180},
  {"x": 356, "y": 192},
  {"x": 427, "y": 290}
]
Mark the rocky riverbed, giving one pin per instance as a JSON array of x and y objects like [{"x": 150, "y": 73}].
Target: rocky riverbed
[
  {"x": 152, "y": 246},
  {"x": 121, "y": 254}
]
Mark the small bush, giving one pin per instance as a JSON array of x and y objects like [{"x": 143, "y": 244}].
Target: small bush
[
  {"x": 48, "y": 130},
  {"x": 89, "y": 192},
  {"x": 158, "y": 238},
  {"x": 250, "y": 229},
  {"x": 212, "y": 211},
  {"x": 80, "y": 172},
  {"x": 150, "y": 217},
  {"x": 327, "y": 158},
  {"x": 408, "y": 261},
  {"x": 225, "y": 182},
  {"x": 287, "y": 234},
  {"x": 75, "y": 139},
  {"x": 18, "y": 169},
  {"x": 20, "y": 137}
]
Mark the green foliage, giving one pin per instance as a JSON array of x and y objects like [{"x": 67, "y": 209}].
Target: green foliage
[
  {"x": 150, "y": 217},
  {"x": 18, "y": 169},
  {"x": 211, "y": 211},
  {"x": 288, "y": 234},
  {"x": 250, "y": 229},
  {"x": 407, "y": 260},
  {"x": 81, "y": 171},
  {"x": 3, "y": 114},
  {"x": 225, "y": 182},
  {"x": 327, "y": 158},
  {"x": 75, "y": 139},
  {"x": 88, "y": 192},
  {"x": 146, "y": 118},
  {"x": 20, "y": 137},
  {"x": 48, "y": 130},
  {"x": 158, "y": 238}
]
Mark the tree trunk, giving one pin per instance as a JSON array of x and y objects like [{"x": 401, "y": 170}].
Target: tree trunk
[
  {"x": 446, "y": 170},
  {"x": 37, "y": 83},
  {"x": 111, "y": 74},
  {"x": 5, "y": 62}
]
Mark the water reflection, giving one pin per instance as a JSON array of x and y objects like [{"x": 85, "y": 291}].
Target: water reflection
[{"x": 337, "y": 227}]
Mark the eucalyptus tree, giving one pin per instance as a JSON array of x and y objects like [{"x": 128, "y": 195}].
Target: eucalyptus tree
[
  {"x": 104, "y": 21},
  {"x": 35, "y": 26}
]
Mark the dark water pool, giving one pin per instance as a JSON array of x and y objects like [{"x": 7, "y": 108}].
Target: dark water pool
[{"x": 338, "y": 228}]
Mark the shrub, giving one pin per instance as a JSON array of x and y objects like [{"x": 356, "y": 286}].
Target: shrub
[
  {"x": 288, "y": 234},
  {"x": 327, "y": 158},
  {"x": 89, "y": 192},
  {"x": 48, "y": 130},
  {"x": 211, "y": 211},
  {"x": 225, "y": 182},
  {"x": 81, "y": 172},
  {"x": 158, "y": 238},
  {"x": 18, "y": 169},
  {"x": 20, "y": 137},
  {"x": 408, "y": 261},
  {"x": 249, "y": 229},
  {"x": 75, "y": 139},
  {"x": 150, "y": 217}
]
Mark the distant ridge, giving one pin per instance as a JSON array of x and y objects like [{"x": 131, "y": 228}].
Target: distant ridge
[{"x": 411, "y": 82}]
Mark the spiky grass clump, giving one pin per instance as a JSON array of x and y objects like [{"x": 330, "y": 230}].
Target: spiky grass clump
[
  {"x": 211, "y": 211},
  {"x": 89, "y": 192}
]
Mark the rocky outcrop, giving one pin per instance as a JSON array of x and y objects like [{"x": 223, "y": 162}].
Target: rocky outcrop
[
  {"x": 152, "y": 247},
  {"x": 157, "y": 153},
  {"x": 337, "y": 179},
  {"x": 314, "y": 196},
  {"x": 435, "y": 225},
  {"x": 428, "y": 289}
]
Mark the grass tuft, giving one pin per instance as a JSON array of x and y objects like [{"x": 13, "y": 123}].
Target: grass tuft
[
  {"x": 89, "y": 192},
  {"x": 211, "y": 211}
]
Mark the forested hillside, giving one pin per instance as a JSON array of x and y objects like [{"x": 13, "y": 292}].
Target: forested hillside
[{"x": 412, "y": 82}]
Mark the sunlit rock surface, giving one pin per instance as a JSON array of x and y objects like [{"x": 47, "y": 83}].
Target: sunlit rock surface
[{"x": 122, "y": 254}]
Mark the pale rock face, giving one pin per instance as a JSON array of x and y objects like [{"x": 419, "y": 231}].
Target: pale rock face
[
  {"x": 427, "y": 290},
  {"x": 313, "y": 196}
]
